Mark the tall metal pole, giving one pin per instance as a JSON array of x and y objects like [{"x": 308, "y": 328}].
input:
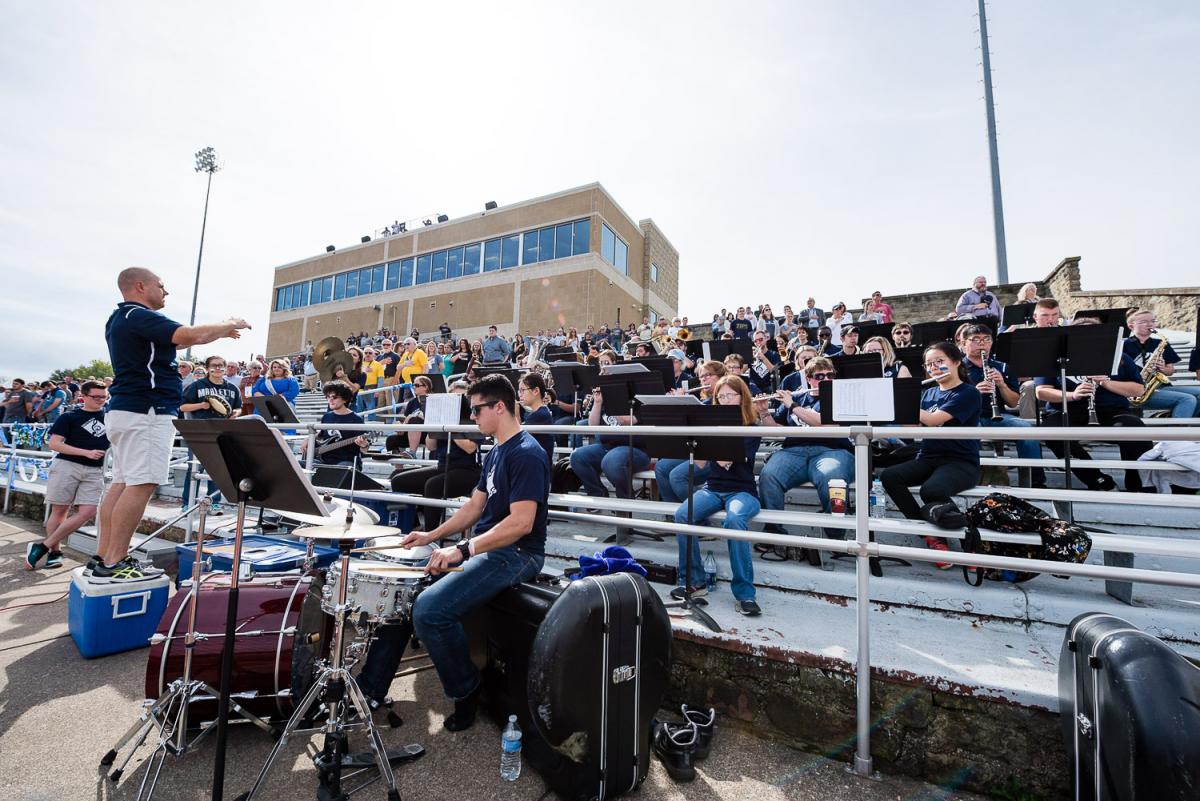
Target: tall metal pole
[
  {"x": 206, "y": 161},
  {"x": 997, "y": 203}
]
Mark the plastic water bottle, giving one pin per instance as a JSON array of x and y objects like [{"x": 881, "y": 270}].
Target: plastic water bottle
[
  {"x": 878, "y": 499},
  {"x": 710, "y": 571},
  {"x": 510, "y": 751}
]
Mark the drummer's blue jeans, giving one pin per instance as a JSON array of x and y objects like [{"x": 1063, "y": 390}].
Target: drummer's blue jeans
[{"x": 437, "y": 616}]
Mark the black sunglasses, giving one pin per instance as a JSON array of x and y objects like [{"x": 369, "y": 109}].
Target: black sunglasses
[
  {"x": 475, "y": 407},
  {"x": 823, "y": 376}
]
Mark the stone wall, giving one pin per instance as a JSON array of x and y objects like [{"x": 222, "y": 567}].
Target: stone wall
[
  {"x": 937, "y": 735},
  {"x": 1175, "y": 307}
]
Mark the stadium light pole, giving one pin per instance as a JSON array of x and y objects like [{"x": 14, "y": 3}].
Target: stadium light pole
[
  {"x": 206, "y": 161},
  {"x": 993, "y": 151}
]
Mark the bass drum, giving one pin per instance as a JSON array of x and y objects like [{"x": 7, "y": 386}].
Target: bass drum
[{"x": 270, "y": 670}]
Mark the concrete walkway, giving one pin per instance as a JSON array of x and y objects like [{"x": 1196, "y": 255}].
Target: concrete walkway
[{"x": 59, "y": 713}]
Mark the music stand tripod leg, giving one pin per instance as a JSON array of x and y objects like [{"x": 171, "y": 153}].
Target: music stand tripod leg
[
  {"x": 687, "y": 604},
  {"x": 293, "y": 723}
]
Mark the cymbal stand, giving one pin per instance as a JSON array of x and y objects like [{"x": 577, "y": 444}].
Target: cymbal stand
[
  {"x": 335, "y": 685},
  {"x": 170, "y": 712}
]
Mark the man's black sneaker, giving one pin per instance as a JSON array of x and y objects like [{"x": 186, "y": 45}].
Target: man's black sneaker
[
  {"x": 747, "y": 608},
  {"x": 34, "y": 553},
  {"x": 92, "y": 561},
  {"x": 148, "y": 569},
  {"x": 54, "y": 559},
  {"x": 697, "y": 592},
  {"x": 128, "y": 569}
]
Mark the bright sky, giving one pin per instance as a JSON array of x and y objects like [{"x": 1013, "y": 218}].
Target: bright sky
[{"x": 793, "y": 148}]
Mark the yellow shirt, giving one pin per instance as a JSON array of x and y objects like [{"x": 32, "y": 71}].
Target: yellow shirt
[
  {"x": 374, "y": 374},
  {"x": 413, "y": 363}
]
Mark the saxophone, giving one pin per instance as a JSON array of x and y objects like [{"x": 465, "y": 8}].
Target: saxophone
[{"x": 1151, "y": 378}]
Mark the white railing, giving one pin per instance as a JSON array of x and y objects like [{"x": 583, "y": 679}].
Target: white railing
[{"x": 862, "y": 548}]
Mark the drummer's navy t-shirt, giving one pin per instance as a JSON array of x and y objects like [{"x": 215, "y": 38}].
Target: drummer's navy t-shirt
[{"x": 518, "y": 470}]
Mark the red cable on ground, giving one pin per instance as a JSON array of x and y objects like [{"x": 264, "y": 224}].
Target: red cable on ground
[{"x": 34, "y": 603}]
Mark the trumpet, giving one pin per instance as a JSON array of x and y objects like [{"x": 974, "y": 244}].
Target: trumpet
[{"x": 995, "y": 393}]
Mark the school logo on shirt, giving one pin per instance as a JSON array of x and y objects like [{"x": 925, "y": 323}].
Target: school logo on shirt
[
  {"x": 94, "y": 427},
  {"x": 491, "y": 482}
]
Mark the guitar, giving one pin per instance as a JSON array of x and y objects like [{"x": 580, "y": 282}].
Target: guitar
[{"x": 327, "y": 444}]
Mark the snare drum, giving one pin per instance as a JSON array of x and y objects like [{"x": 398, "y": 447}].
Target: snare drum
[
  {"x": 416, "y": 555},
  {"x": 270, "y": 670},
  {"x": 383, "y": 597}
]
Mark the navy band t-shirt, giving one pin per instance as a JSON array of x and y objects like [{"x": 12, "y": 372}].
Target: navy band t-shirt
[
  {"x": 739, "y": 476},
  {"x": 542, "y": 417},
  {"x": 197, "y": 391},
  {"x": 84, "y": 430},
  {"x": 145, "y": 375},
  {"x": 346, "y": 453},
  {"x": 1105, "y": 399},
  {"x": 517, "y": 470},
  {"x": 962, "y": 403},
  {"x": 784, "y": 417}
]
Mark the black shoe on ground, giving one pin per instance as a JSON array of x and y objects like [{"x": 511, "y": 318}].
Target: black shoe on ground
[
  {"x": 34, "y": 553},
  {"x": 675, "y": 745},
  {"x": 706, "y": 724},
  {"x": 464, "y": 712},
  {"x": 697, "y": 592},
  {"x": 748, "y": 608},
  {"x": 54, "y": 559}
]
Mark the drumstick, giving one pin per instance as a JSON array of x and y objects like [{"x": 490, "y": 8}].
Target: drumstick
[
  {"x": 404, "y": 569},
  {"x": 376, "y": 548}
]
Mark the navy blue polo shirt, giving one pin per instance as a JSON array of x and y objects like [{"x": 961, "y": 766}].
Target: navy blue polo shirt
[
  {"x": 145, "y": 375},
  {"x": 962, "y": 403}
]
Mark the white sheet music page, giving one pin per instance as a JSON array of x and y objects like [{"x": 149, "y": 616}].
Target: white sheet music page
[
  {"x": 861, "y": 400},
  {"x": 442, "y": 409}
]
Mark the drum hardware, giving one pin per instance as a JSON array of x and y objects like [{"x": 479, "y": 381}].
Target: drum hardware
[
  {"x": 338, "y": 686},
  {"x": 170, "y": 712}
]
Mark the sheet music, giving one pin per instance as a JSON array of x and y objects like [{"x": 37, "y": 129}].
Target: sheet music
[
  {"x": 860, "y": 400},
  {"x": 706, "y": 349},
  {"x": 1120, "y": 349},
  {"x": 443, "y": 409}
]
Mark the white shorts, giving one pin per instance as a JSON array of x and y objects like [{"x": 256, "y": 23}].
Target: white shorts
[
  {"x": 72, "y": 482},
  {"x": 141, "y": 446}
]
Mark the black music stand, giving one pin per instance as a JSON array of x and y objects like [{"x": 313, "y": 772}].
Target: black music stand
[
  {"x": 1194, "y": 359},
  {"x": 345, "y": 477},
  {"x": 274, "y": 408},
  {"x": 860, "y": 365},
  {"x": 581, "y": 378},
  {"x": 725, "y": 449},
  {"x": 513, "y": 375},
  {"x": 1055, "y": 352},
  {"x": 925, "y": 334},
  {"x": 1107, "y": 317},
  {"x": 437, "y": 381},
  {"x": 868, "y": 330},
  {"x": 912, "y": 357},
  {"x": 1017, "y": 314},
  {"x": 618, "y": 392},
  {"x": 249, "y": 462}
]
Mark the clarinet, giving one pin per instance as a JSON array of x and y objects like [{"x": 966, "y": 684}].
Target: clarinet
[
  {"x": 995, "y": 393},
  {"x": 1093, "y": 420}
]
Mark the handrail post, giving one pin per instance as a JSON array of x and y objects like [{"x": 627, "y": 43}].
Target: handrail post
[
  {"x": 862, "y": 563},
  {"x": 311, "y": 452},
  {"x": 12, "y": 465}
]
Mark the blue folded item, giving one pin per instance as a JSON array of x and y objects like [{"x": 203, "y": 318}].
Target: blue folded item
[{"x": 613, "y": 559}]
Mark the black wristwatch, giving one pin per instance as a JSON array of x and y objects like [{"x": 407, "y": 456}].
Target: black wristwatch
[{"x": 464, "y": 548}]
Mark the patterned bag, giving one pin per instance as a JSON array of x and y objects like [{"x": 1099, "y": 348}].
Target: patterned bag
[{"x": 1061, "y": 541}]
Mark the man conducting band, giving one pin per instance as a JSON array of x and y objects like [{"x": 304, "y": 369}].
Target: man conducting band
[
  {"x": 509, "y": 507},
  {"x": 145, "y": 397}
]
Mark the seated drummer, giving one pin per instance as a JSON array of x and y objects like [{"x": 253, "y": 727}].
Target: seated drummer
[{"x": 508, "y": 507}]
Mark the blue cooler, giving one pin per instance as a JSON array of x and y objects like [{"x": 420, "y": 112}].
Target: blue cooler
[
  {"x": 115, "y": 616},
  {"x": 398, "y": 515},
  {"x": 263, "y": 554}
]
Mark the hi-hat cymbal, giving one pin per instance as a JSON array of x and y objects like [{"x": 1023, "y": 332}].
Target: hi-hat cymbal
[
  {"x": 340, "y": 531},
  {"x": 337, "y": 513}
]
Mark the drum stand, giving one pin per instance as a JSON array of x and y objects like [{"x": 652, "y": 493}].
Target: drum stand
[
  {"x": 337, "y": 685},
  {"x": 170, "y": 712}
]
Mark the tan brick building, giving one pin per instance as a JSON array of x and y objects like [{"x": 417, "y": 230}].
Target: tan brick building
[{"x": 574, "y": 258}]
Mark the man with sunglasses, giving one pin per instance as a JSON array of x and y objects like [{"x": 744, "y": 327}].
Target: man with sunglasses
[
  {"x": 508, "y": 510},
  {"x": 803, "y": 459},
  {"x": 76, "y": 475}
]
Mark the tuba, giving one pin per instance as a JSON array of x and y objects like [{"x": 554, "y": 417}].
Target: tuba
[{"x": 683, "y": 334}]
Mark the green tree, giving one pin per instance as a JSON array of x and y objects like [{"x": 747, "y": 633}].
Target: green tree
[{"x": 98, "y": 368}]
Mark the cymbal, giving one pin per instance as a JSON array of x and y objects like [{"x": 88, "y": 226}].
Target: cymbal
[
  {"x": 342, "y": 359},
  {"x": 337, "y": 513},
  {"x": 339, "y": 531},
  {"x": 325, "y": 347}
]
